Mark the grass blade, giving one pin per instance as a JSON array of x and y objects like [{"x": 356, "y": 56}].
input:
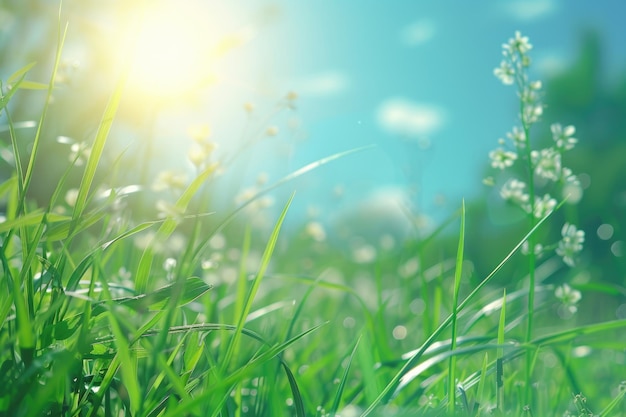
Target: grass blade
[
  {"x": 499, "y": 353},
  {"x": 455, "y": 299},
  {"x": 233, "y": 348},
  {"x": 168, "y": 227},
  {"x": 618, "y": 398},
  {"x": 299, "y": 172},
  {"x": 342, "y": 383},
  {"x": 97, "y": 149},
  {"x": 481, "y": 386}
]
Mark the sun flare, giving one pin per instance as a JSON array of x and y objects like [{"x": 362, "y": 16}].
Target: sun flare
[{"x": 173, "y": 52}]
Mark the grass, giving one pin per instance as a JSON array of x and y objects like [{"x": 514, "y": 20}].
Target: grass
[{"x": 93, "y": 325}]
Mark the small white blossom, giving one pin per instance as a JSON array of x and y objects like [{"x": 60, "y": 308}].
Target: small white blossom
[
  {"x": 532, "y": 114},
  {"x": 526, "y": 249},
  {"x": 544, "y": 206},
  {"x": 529, "y": 96},
  {"x": 168, "y": 210},
  {"x": 547, "y": 163},
  {"x": 79, "y": 153},
  {"x": 514, "y": 190},
  {"x": 71, "y": 196},
  {"x": 501, "y": 158},
  {"x": 199, "y": 133},
  {"x": 169, "y": 180},
  {"x": 169, "y": 264},
  {"x": 505, "y": 73},
  {"x": 569, "y": 297},
  {"x": 563, "y": 136},
  {"x": 316, "y": 231},
  {"x": 572, "y": 189},
  {"x": 519, "y": 44},
  {"x": 200, "y": 154},
  {"x": 571, "y": 243},
  {"x": 518, "y": 136}
]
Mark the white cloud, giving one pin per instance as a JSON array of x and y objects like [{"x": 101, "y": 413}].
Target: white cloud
[
  {"x": 408, "y": 118},
  {"x": 323, "y": 84},
  {"x": 550, "y": 64},
  {"x": 418, "y": 32},
  {"x": 530, "y": 9},
  {"x": 383, "y": 211}
]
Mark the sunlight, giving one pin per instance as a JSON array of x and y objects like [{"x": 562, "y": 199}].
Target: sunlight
[{"x": 173, "y": 52}]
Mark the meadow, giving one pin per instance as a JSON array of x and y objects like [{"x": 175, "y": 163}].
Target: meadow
[{"x": 193, "y": 312}]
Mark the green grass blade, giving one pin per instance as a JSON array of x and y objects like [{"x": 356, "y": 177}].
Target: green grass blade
[
  {"x": 168, "y": 227},
  {"x": 97, "y": 149},
  {"x": 19, "y": 74},
  {"x": 342, "y": 383},
  {"x": 36, "y": 143},
  {"x": 608, "y": 410},
  {"x": 245, "y": 370},
  {"x": 16, "y": 81},
  {"x": 568, "y": 335},
  {"x": 30, "y": 219},
  {"x": 127, "y": 362},
  {"x": 290, "y": 177},
  {"x": 480, "y": 391},
  {"x": 242, "y": 276},
  {"x": 157, "y": 300},
  {"x": 499, "y": 360},
  {"x": 455, "y": 299},
  {"x": 233, "y": 348},
  {"x": 295, "y": 391}
]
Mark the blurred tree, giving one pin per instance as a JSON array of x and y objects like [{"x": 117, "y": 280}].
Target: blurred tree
[{"x": 585, "y": 96}]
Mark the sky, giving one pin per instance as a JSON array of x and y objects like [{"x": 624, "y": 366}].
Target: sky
[
  {"x": 415, "y": 79},
  {"x": 410, "y": 80}
]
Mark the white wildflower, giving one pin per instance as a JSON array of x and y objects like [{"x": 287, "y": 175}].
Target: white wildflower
[
  {"x": 501, "y": 158},
  {"x": 563, "y": 136},
  {"x": 544, "y": 206},
  {"x": 168, "y": 210},
  {"x": 518, "y": 136},
  {"x": 570, "y": 244},
  {"x": 526, "y": 248},
  {"x": 71, "y": 196},
  {"x": 79, "y": 153},
  {"x": 200, "y": 154},
  {"x": 169, "y": 180},
  {"x": 547, "y": 163},
  {"x": 169, "y": 264},
  {"x": 572, "y": 189},
  {"x": 569, "y": 297},
  {"x": 199, "y": 133},
  {"x": 316, "y": 231},
  {"x": 529, "y": 95},
  {"x": 514, "y": 190},
  {"x": 518, "y": 44},
  {"x": 532, "y": 114},
  {"x": 505, "y": 73}
]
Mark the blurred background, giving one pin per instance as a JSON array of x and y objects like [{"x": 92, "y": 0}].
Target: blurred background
[{"x": 275, "y": 85}]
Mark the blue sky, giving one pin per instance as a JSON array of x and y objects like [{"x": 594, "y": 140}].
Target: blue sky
[{"x": 414, "y": 78}]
